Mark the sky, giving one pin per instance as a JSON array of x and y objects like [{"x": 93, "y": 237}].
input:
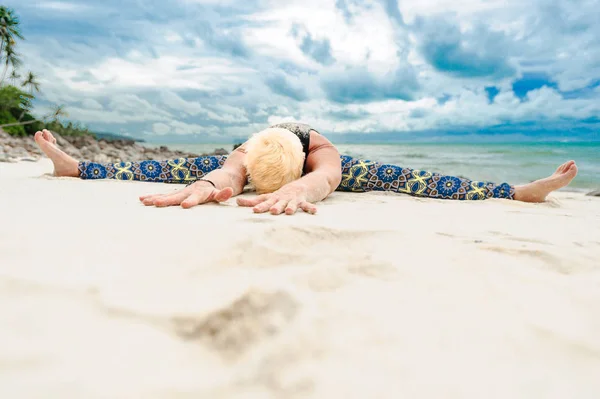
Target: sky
[{"x": 373, "y": 70}]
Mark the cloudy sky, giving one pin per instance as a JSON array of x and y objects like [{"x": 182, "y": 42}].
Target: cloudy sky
[{"x": 214, "y": 70}]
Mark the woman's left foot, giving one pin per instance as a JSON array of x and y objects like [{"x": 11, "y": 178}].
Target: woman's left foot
[
  {"x": 64, "y": 164},
  {"x": 539, "y": 189}
]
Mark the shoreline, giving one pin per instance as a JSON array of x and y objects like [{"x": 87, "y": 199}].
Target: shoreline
[{"x": 15, "y": 149}]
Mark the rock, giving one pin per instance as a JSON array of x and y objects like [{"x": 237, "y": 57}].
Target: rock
[
  {"x": 19, "y": 152},
  {"x": 220, "y": 151},
  {"x": 101, "y": 158},
  {"x": 89, "y": 149},
  {"x": 75, "y": 154},
  {"x": 595, "y": 193}
]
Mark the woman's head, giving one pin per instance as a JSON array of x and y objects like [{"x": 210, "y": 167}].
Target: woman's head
[{"x": 274, "y": 157}]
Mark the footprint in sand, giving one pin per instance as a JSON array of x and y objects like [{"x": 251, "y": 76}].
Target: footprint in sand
[
  {"x": 550, "y": 261},
  {"x": 519, "y": 239},
  {"x": 343, "y": 253},
  {"x": 253, "y": 317}
]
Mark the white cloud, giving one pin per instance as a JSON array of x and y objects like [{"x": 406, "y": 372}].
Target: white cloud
[
  {"x": 182, "y": 128},
  {"x": 90, "y": 103},
  {"x": 175, "y": 102},
  {"x": 161, "y": 129},
  {"x": 62, "y": 6},
  {"x": 370, "y": 35},
  {"x": 169, "y": 71}
]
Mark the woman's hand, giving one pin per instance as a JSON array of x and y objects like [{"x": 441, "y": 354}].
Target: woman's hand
[
  {"x": 197, "y": 193},
  {"x": 287, "y": 199}
]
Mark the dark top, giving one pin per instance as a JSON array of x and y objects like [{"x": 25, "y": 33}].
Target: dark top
[{"x": 302, "y": 130}]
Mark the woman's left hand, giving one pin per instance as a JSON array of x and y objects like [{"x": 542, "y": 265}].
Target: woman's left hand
[{"x": 287, "y": 199}]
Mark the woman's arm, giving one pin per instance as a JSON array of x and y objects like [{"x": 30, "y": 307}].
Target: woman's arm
[
  {"x": 323, "y": 170},
  {"x": 232, "y": 174},
  {"x": 228, "y": 181}
]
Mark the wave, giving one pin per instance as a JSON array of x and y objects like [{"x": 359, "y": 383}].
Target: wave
[{"x": 415, "y": 155}]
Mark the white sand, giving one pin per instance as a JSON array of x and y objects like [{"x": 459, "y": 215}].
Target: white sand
[{"x": 376, "y": 296}]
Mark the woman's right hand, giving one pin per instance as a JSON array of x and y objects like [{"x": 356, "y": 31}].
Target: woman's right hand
[{"x": 197, "y": 193}]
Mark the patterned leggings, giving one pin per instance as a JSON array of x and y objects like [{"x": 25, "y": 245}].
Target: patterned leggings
[{"x": 357, "y": 175}]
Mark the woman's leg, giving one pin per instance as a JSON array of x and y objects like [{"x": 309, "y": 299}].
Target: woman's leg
[
  {"x": 181, "y": 170},
  {"x": 363, "y": 175}
]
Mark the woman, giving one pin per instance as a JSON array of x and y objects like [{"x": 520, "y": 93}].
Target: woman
[{"x": 292, "y": 166}]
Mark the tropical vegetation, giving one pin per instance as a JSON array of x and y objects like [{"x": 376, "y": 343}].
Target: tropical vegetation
[{"x": 18, "y": 89}]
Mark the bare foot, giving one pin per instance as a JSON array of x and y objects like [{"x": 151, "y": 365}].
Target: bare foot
[
  {"x": 539, "y": 189},
  {"x": 64, "y": 164}
]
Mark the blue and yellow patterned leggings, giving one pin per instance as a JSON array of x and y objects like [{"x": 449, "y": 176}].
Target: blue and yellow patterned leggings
[{"x": 357, "y": 175}]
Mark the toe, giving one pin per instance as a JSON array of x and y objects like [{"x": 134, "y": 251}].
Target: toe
[
  {"x": 572, "y": 172},
  {"x": 48, "y": 136},
  {"x": 568, "y": 166},
  {"x": 39, "y": 136},
  {"x": 564, "y": 167}
]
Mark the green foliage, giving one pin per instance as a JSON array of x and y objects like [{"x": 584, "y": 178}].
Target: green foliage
[
  {"x": 9, "y": 25},
  {"x": 14, "y": 100},
  {"x": 15, "y": 103},
  {"x": 67, "y": 128},
  {"x": 7, "y": 117},
  {"x": 31, "y": 128}
]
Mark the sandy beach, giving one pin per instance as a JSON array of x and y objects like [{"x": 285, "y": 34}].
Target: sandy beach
[{"x": 379, "y": 295}]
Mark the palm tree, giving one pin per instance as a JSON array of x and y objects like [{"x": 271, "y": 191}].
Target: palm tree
[
  {"x": 14, "y": 76},
  {"x": 32, "y": 82},
  {"x": 9, "y": 28},
  {"x": 11, "y": 58},
  {"x": 34, "y": 85},
  {"x": 58, "y": 112}
]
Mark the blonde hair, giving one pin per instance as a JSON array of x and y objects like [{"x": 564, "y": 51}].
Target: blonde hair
[{"x": 274, "y": 157}]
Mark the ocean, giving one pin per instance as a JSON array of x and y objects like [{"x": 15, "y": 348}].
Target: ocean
[{"x": 513, "y": 163}]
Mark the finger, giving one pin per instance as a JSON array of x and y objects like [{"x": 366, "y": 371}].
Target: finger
[
  {"x": 148, "y": 196},
  {"x": 291, "y": 207},
  {"x": 150, "y": 200},
  {"x": 264, "y": 206},
  {"x": 308, "y": 207},
  {"x": 253, "y": 201},
  {"x": 172, "y": 199},
  {"x": 194, "y": 198},
  {"x": 279, "y": 207},
  {"x": 224, "y": 194}
]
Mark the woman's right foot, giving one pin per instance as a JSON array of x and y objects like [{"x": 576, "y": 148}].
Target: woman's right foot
[
  {"x": 539, "y": 189},
  {"x": 64, "y": 164}
]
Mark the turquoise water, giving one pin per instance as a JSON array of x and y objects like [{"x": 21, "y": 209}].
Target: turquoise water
[{"x": 513, "y": 163}]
